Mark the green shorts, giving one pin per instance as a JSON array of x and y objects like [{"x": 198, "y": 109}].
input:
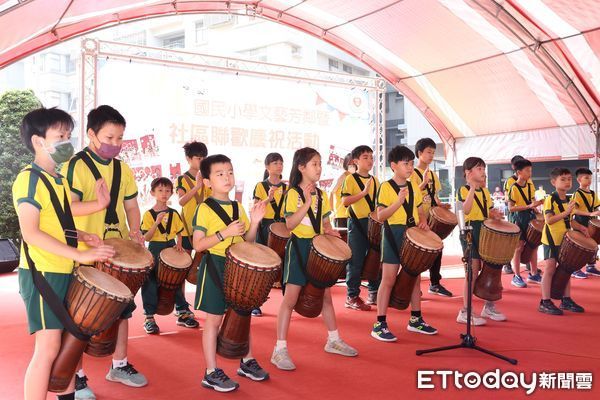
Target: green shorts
[
  {"x": 388, "y": 254},
  {"x": 39, "y": 314},
  {"x": 475, "y": 246},
  {"x": 293, "y": 272},
  {"x": 522, "y": 219},
  {"x": 209, "y": 295},
  {"x": 548, "y": 252}
]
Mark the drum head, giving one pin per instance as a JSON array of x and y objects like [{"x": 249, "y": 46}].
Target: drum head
[
  {"x": 373, "y": 216},
  {"x": 255, "y": 254},
  {"x": 537, "y": 224},
  {"x": 426, "y": 239},
  {"x": 595, "y": 222},
  {"x": 501, "y": 226},
  {"x": 332, "y": 247},
  {"x": 279, "y": 229},
  {"x": 444, "y": 215},
  {"x": 175, "y": 259},
  {"x": 104, "y": 282},
  {"x": 129, "y": 254},
  {"x": 582, "y": 241}
]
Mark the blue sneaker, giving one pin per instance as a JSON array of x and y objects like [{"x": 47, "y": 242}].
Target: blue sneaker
[
  {"x": 579, "y": 274},
  {"x": 256, "y": 312},
  {"x": 537, "y": 278},
  {"x": 381, "y": 332},
  {"x": 592, "y": 270},
  {"x": 517, "y": 281}
]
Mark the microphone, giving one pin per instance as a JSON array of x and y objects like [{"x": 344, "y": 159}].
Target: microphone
[{"x": 461, "y": 216}]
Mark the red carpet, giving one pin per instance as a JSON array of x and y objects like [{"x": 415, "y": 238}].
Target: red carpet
[{"x": 173, "y": 362}]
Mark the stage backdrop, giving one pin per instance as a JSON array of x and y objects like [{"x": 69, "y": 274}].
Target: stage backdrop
[{"x": 243, "y": 117}]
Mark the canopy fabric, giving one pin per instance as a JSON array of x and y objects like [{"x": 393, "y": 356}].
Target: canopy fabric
[{"x": 475, "y": 68}]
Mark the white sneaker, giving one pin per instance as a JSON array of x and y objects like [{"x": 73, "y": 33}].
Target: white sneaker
[
  {"x": 340, "y": 347},
  {"x": 281, "y": 359},
  {"x": 490, "y": 311},
  {"x": 475, "y": 320}
]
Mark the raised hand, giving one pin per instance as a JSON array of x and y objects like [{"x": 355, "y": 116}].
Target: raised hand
[
  {"x": 101, "y": 253},
  {"x": 402, "y": 194},
  {"x": 102, "y": 193},
  {"x": 236, "y": 228},
  {"x": 307, "y": 191},
  {"x": 257, "y": 212}
]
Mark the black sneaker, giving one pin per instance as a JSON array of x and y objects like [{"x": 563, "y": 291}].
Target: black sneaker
[
  {"x": 256, "y": 312},
  {"x": 150, "y": 326},
  {"x": 548, "y": 307},
  {"x": 416, "y": 324},
  {"x": 187, "y": 320},
  {"x": 507, "y": 269},
  {"x": 568, "y": 304},
  {"x": 217, "y": 380},
  {"x": 439, "y": 290},
  {"x": 251, "y": 369}
]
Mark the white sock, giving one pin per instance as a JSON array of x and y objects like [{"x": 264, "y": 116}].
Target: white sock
[
  {"x": 80, "y": 373},
  {"x": 246, "y": 359},
  {"x": 281, "y": 344},
  {"x": 333, "y": 335},
  {"x": 210, "y": 371},
  {"x": 119, "y": 363}
]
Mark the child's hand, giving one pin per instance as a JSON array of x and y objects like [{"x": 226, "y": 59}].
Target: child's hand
[
  {"x": 495, "y": 214},
  {"x": 199, "y": 182},
  {"x": 426, "y": 176},
  {"x": 446, "y": 206},
  {"x": 423, "y": 225},
  {"x": 137, "y": 236},
  {"x": 365, "y": 191},
  {"x": 272, "y": 191},
  {"x": 330, "y": 231},
  {"x": 571, "y": 207},
  {"x": 595, "y": 213},
  {"x": 90, "y": 239},
  {"x": 101, "y": 253},
  {"x": 307, "y": 191},
  {"x": 179, "y": 247},
  {"x": 102, "y": 193},
  {"x": 584, "y": 230},
  {"x": 402, "y": 195},
  {"x": 236, "y": 228},
  {"x": 257, "y": 212},
  {"x": 160, "y": 217},
  {"x": 537, "y": 203}
]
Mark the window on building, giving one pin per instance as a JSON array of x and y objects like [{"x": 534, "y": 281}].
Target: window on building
[
  {"x": 174, "y": 42},
  {"x": 257, "y": 54},
  {"x": 334, "y": 65},
  {"x": 200, "y": 32},
  {"x": 136, "y": 39},
  {"x": 347, "y": 68}
]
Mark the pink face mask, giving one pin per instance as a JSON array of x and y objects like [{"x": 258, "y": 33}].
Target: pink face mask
[{"x": 107, "y": 151}]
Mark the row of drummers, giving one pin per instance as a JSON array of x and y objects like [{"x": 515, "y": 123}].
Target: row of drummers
[{"x": 98, "y": 296}]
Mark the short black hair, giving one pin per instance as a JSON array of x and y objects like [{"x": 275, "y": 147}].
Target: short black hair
[
  {"x": 471, "y": 163},
  {"x": 208, "y": 162},
  {"x": 162, "y": 181},
  {"x": 556, "y": 172},
  {"x": 520, "y": 165},
  {"x": 195, "y": 149},
  {"x": 423, "y": 144},
  {"x": 400, "y": 153},
  {"x": 103, "y": 115},
  {"x": 515, "y": 159},
  {"x": 38, "y": 121},
  {"x": 359, "y": 151},
  {"x": 582, "y": 171}
]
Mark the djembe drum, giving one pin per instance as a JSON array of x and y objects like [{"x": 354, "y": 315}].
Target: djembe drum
[
  {"x": 442, "y": 221},
  {"x": 533, "y": 240},
  {"x": 575, "y": 251},
  {"x": 372, "y": 263},
  {"x": 279, "y": 235},
  {"x": 173, "y": 268}
]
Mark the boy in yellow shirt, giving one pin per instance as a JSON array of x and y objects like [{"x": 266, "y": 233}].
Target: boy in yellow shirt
[
  {"x": 42, "y": 200},
  {"x": 558, "y": 211},
  {"x": 218, "y": 223},
  {"x": 340, "y": 211},
  {"x": 587, "y": 208},
  {"x": 399, "y": 206}
]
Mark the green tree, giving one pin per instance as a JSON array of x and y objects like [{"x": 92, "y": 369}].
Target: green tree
[{"x": 14, "y": 155}]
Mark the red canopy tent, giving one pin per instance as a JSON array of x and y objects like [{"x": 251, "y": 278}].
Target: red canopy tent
[{"x": 490, "y": 76}]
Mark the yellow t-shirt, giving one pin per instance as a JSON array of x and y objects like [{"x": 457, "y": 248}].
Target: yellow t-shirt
[
  {"x": 387, "y": 195},
  {"x": 341, "y": 211},
  {"x": 592, "y": 200},
  {"x": 28, "y": 188},
  {"x": 207, "y": 221},
  {"x": 350, "y": 187},
  {"x": 82, "y": 182},
  {"x": 516, "y": 197},
  {"x": 485, "y": 199},
  {"x": 559, "y": 228},
  {"x": 293, "y": 201},
  {"x": 432, "y": 188},
  {"x": 260, "y": 194},
  {"x": 512, "y": 179},
  {"x": 176, "y": 225},
  {"x": 189, "y": 209}
]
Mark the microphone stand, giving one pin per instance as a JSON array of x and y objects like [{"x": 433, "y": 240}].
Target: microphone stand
[{"x": 468, "y": 340}]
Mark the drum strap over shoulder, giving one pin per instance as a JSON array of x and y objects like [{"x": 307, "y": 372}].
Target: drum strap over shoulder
[
  {"x": 161, "y": 228},
  {"x": 430, "y": 189},
  {"x": 370, "y": 201},
  {"x": 199, "y": 198},
  {"x": 561, "y": 208},
  {"x": 357, "y": 223},
  {"x": 212, "y": 271},
  {"x": 522, "y": 193},
  {"x": 48, "y": 294},
  {"x": 276, "y": 207},
  {"x": 216, "y": 207},
  {"x": 482, "y": 207},
  {"x": 315, "y": 220},
  {"x": 111, "y": 219},
  {"x": 408, "y": 203},
  {"x": 585, "y": 200},
  {"x": 389, "y": 235}
]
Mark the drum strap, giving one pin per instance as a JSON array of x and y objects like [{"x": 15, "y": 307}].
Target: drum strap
[
  {"x": 357, "y": 223},
  {"x": 520, "y": 189},
  {"x": 430, "y": 188},
  {"x": 370, "y": 201},
  {"x": 300, "y": 261},
  {"x": 198, "y": 197},
  {"x": 111, "y": 219},
  {"x": 216, "y": 207},
  {"x": 315, "y": 220},
  {"x": 276, "y": 207},
  {"x": 583, "y": 196},
  {"x": 561, "y": 208},
  {"x": 482, "y": 207},
  {"x": 165, "y": 231},
  {"x": 65, "y": 218},
  {"x": 408, "y": 203}
]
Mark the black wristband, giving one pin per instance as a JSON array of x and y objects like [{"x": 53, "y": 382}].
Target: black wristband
[{"x": 219, "y": 236}]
